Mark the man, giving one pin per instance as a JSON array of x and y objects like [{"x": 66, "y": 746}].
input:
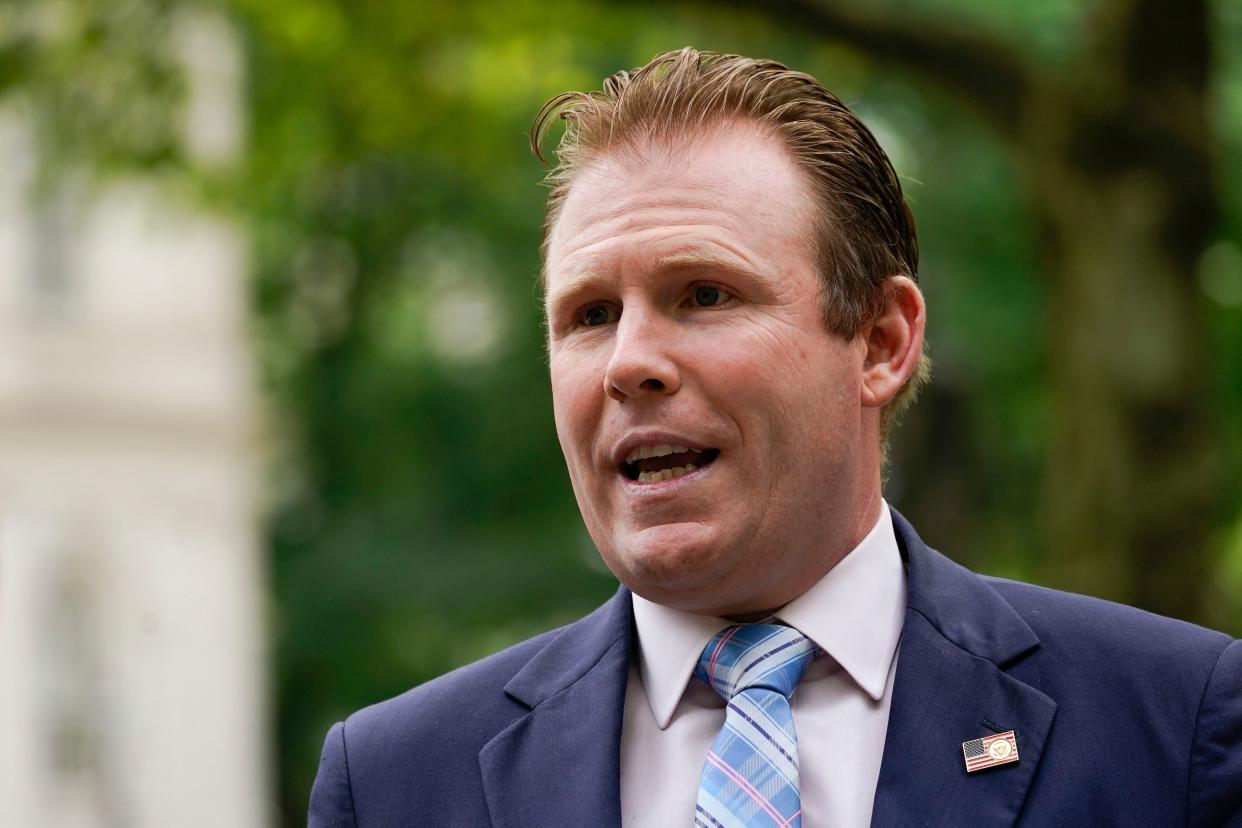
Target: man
[{"x": 733, "y": 321}]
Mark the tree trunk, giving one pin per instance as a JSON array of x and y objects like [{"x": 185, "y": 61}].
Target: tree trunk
[{"x": 1119, "y": 173}]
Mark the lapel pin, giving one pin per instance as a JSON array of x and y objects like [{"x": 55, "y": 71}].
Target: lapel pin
[{"x": 990, "y": 751}]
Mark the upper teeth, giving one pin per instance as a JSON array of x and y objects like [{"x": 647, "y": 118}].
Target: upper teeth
[{"x": 643, "y": 452}]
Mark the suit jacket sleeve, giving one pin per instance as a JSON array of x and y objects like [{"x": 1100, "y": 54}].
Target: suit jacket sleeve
[
  {"x": 1216, "y": 756},
  {"x": 332, "y": 800}
]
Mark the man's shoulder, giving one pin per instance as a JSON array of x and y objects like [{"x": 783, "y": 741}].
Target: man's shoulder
[
  {"x": 1162, "y": 693},
  {"x": 1100, "y": 632},
  {"x": 476, "y": 701},
  {"x": 442, "y": 701},
  {"x": 418, "y": 752},
  {"x": 1051, "y": 635}
]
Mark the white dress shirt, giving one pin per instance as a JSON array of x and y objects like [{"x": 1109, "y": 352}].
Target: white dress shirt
[{"x": 840, "y": 709}]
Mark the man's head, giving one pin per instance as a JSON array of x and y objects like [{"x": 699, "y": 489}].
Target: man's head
[{"x": 729, "y": 269}]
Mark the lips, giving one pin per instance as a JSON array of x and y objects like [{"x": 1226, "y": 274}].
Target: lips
[{"x": 655, "y": 462}]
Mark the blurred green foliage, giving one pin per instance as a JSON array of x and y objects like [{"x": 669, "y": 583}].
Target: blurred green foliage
[{"x": 420, "y": 513}]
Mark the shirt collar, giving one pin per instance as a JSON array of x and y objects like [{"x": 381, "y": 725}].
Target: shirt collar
[{"x": 854, "y": 613}]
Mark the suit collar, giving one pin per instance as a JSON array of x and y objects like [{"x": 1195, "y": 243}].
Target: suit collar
[
  {"x": 949, "y": 688},
  {"x": 959, "y": 604},
  {"x": 574, "y": 652},
  {"x": 956, "y": 602},
  {"x": 561, "y": 763}
]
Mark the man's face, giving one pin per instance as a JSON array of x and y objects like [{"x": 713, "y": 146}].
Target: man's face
[{"x": 684, "y": 316}]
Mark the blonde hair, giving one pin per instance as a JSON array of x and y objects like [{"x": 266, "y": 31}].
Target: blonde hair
[{"x": 865, "y": 232}]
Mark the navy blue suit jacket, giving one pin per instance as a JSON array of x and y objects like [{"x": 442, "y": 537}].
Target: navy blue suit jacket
[{"x": 1121, "y": 717}]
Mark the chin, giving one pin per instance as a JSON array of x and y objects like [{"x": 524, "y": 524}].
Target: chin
[{"x": 663, "y": 562}]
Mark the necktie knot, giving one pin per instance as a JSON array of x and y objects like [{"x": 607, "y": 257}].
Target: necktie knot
[{"x": 744, "y": 656}]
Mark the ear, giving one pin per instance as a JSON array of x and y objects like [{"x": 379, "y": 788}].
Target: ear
[{"x": 894, "y": 341}]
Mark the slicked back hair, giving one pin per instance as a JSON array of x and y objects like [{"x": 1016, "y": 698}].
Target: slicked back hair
[{"x": 864, "y": 230}]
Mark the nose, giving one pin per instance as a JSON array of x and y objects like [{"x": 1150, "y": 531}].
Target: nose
[{"x": 642, "y": 362}]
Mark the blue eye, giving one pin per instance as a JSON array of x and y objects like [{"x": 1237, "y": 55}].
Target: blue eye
[
  {"x": 706, "y": 296},
  {"x": 597, "y": 315}
]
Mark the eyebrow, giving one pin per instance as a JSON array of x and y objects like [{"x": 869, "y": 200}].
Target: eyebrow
[
  {"x": 702, "y": 256},
  {"x": 705, "y": 256},
  {"x": 572, "y": 288}
]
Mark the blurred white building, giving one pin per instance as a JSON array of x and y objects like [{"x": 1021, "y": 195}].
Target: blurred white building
[{"x": 132, "y": 637}]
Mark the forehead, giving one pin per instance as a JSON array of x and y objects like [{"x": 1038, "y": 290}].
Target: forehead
[{"x": 733, "y": 186}]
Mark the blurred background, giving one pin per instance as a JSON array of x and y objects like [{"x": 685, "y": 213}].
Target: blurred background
[{"x": 275, "y": 429}]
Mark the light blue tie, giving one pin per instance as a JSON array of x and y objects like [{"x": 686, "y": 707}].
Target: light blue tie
[{"x": 750, "y": 777}]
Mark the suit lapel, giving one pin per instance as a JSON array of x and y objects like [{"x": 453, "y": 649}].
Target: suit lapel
[
  {"x": 560, "y": 764},
  {"x": 951, "y": 687}
]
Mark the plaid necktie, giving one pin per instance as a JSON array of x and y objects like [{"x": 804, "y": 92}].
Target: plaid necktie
[{"x": 750, "y": 777}]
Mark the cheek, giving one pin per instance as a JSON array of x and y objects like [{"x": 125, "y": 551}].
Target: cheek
[
  {"x": 577, "y": 399},
  {"x": 768, "y": 372},
  {"x": 574, "y": 435},
  {"x": 799, "y": 394}
]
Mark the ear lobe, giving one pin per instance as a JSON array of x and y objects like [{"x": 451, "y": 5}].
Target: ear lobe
[{"x": 894, "y": 341}]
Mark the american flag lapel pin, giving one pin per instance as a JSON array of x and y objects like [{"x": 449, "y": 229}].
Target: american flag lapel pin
[{"x": 990, "y": 751}]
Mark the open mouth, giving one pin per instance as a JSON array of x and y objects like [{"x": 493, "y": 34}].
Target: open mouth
[{"x": 651, "y": 464}]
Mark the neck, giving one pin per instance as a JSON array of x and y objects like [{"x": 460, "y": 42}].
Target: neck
[{"x": 865, "y": 522}]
